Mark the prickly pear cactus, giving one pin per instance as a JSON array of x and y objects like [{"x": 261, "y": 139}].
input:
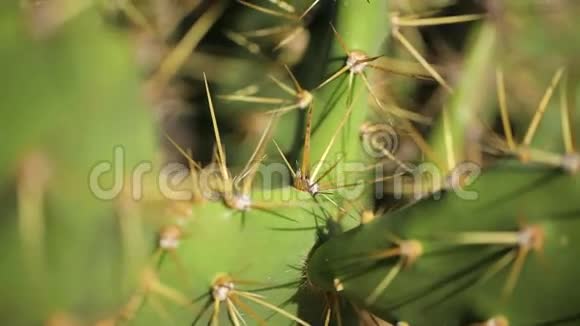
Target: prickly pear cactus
[
  {"x": 463, "y": 260},
  {"x": 352, "y": 164}
]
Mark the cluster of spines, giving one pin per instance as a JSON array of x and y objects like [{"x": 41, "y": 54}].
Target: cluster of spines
[{"x": 356, "y": 64}]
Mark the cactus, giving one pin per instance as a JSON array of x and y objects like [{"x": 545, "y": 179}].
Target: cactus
[
  {"x": 482, "y": 240},
  {"x": 70, "y": 97},
  {"x": 451, "y": 259}
]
